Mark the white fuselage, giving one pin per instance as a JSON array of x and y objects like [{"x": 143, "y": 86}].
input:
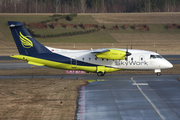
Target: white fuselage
[{"x": 138, "y": 60}]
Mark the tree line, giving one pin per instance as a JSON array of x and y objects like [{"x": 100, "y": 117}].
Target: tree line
[{"x": 88, "y": 6}]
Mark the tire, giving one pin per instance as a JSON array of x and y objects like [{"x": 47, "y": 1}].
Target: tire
[
  {"x": 158, "y": 74},
  {"x": 100, "y": 74}
]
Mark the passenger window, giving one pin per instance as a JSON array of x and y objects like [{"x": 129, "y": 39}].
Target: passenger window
[
  {"x": 141, "y": 59},
  {"x": 89, "y": 59},
  {"x": 83, "y": 59},
  {"x": 126, "y": 58},
  {"x": 102, "y": 59},
  {"x": 95, "y": 58},
  {"x": 132, "y": 59}
]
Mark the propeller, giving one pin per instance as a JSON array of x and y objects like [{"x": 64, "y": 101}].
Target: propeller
[{"x": 127, "y": 54}]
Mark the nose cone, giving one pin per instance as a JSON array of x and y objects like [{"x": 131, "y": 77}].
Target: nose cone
[
  {"x": 164, "y": 64},
  {"x": 168, "y": 65}
]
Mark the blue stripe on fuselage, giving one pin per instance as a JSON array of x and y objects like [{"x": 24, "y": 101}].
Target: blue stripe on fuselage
[{"x": 59, "y": 58}]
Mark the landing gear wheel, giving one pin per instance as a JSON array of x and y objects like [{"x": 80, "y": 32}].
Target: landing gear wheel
[
  {"x": 100, "y": 74},
  {"x": 158, "y": 74}
]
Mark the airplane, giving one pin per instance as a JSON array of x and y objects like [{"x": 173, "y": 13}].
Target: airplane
[{"x": 98, "y": 61}]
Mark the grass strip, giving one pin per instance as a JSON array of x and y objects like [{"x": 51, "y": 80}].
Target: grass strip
[{"x": 39, "y": 99}]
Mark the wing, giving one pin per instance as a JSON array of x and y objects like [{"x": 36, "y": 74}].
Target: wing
[
  {"x": 100, "y": 50},
  {"x": 112, "y": 54}
]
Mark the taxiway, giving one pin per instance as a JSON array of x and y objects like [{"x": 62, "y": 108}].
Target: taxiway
[{"x": 139, "y": 97}]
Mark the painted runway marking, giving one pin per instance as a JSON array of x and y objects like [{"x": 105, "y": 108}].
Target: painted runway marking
[
  {"x": 140, "y": 84},
  {"x": 138, "y": 89},
  {"x": 95, "y": 80},
  {"x": 148, "y": 99},
  {"x": 82, "y": 109}
]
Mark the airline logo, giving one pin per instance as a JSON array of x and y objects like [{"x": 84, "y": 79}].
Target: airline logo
[
  {"x": 25, "y": 41},
  {"x": 118, "y": 63}
]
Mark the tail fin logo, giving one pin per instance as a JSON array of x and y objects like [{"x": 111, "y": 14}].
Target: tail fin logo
[{"x": 26, "y": 43}]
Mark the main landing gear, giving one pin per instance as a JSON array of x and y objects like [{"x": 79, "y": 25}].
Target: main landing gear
[{"x": 100, "y": 74}]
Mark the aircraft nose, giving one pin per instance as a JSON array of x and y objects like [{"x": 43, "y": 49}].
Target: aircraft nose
[
  {"x": 165, "y": 64},
  {"x": 168, "y": 64}
]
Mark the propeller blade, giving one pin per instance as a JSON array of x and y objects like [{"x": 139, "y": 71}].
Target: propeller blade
[{"x": 127, "y": 54}]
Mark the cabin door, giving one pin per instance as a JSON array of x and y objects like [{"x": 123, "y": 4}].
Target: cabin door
[{"x": 73, "y": 62}]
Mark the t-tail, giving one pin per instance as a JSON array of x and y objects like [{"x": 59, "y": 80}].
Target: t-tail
[{"x": 25, "y": 43}]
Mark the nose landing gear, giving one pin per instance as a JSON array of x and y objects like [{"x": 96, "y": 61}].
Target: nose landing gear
[{"x": 158, "y": 72}]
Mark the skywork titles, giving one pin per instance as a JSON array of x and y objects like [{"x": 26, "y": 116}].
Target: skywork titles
[{"x": 118, "y": 63}]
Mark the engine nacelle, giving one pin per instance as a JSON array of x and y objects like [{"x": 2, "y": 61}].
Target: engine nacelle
[{"x": 112, "y": 55}]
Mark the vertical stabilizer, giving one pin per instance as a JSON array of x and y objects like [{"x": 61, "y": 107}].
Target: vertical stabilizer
[{"x": 25, "y": 43}]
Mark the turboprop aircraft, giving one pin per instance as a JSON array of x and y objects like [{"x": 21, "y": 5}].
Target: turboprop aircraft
[{"x": 99, "y": 61}]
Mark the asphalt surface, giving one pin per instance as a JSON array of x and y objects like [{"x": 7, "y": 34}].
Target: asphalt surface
[
  {"x": 171, "y": 56},
  {"x": 9, "y": 66},
  {"x": 120, "y": 97},
  {"x": 7, "y": 58}
]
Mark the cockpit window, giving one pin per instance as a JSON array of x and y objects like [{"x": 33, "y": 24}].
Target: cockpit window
[
  {"x": 158, "y": 56},
  {"x": 152, "y": 57},
  {"x": 155, "y": 56}
]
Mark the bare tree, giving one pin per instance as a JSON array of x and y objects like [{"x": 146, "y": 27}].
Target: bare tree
[
  {"x": 28, "y": 6},
  {"x": 36, "y": 5},
  {"x": 149, "y": 5},
  {"x": 66, "y": 7},
  {"x": 1, "y": 4},
  {"x": 103, "y": 7},
  {"x": 15, "y": 3},
  {"x": 95, "y": 6},
  {"x": 83, "y": 2},
  {"x": 56, "y": 4},
  {"x": 72, "y": 4},
  {"x": 167, "y": 6}
]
